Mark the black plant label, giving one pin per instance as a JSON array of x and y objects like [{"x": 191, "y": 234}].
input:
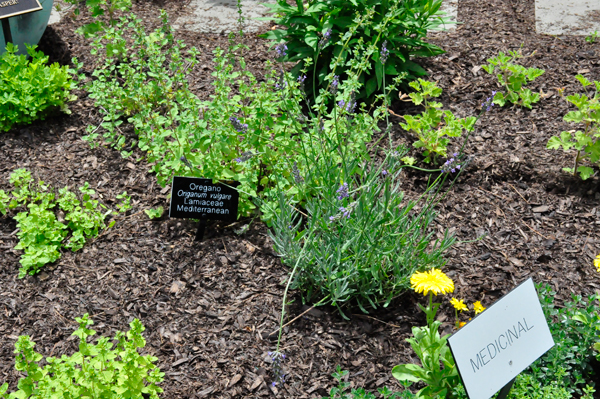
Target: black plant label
[
  {"x": 11, "y": 8},
  {"x": 193, "y": 197}
]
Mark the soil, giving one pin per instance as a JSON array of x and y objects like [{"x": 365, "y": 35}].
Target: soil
[{"x": 209, "y": 308}]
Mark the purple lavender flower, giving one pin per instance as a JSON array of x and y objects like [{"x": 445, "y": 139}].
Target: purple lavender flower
[
  {"x": 385, "y": 53},
  {"x": 384, "y": 173},
  {"x": 277, "y": 358},
  {"x": 325, "y": 39},
  {"x": 238, "y": 126},
  {"x": 489, "y": 102},
  {"x": 301, "y": 78},
  {"x": 282, "y": 83},
  {"x": 452, "y": 164},
  {"x": 299, "y": 179},
  {"x": 334, "y": 84},
  {"x": 186, "y": 162},
  {"x": 246, "y": 155},
  {"x": 281, "y": 50},
  {"x": 343, "y": 191}
]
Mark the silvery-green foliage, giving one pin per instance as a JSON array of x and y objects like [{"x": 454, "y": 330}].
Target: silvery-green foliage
[{"x": 358, "y": 241}]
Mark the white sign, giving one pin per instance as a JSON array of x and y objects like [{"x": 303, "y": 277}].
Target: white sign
[{"x": 501, "y": 342}]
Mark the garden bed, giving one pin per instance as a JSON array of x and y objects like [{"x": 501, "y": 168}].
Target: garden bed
[{"x": 209, "y": 308}]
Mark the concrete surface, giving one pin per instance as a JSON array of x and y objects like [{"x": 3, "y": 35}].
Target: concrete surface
[
  {"x": 567, "y": 17},
  {"x": 221, "y": 16}
]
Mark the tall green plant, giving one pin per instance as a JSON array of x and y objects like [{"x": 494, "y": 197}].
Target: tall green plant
[{"x": 318, "y": 29}]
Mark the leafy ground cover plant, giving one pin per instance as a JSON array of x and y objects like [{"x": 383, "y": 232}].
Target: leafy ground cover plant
[
  {"x": 31, "y": 89},
  {"x": 574, "y": 328},
  {"x": 513, "y": 77},
  {"x": 592, "y": 37},
  {"x": 434, "y": 126},
  {"x": 318, "y": 29},
  {"x": 341, "y": 391},
  {"x": 585, "y": 142},
  {"x": 41, "y": 234},
  {"x": 359, "y": 241},
  {"x": 95, "y": 371}
]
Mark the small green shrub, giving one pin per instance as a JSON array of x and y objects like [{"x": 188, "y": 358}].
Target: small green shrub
[
  {"x": 320, "y": 30},
  {"x": 585, "y": 142},
  {"x": 31, "y": 89},
  {"x": 433, "y": 126},
  {"x": 41, "y": 234},
  {"x": 360, "y": 241},
  {"x": 592, "y": 37},
  {"x": 513, "y": 77},
  {"x": 574, "y": 328},
  {"x": 95, "y": 371}
]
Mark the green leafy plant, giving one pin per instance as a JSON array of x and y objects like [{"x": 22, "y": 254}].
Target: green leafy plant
[
  {"x": 340, "y": 392},
  {"x": 250, "y": 131},
  {"x": 592, "y": 37},
  {"x": 31, "y": 89},
  {"x": 438, "y": 370},
  {"x": 513, "y": 77},
  {"x": 97, "y": 9},
  {"x": 155, "y": 213},
  {"x": 359, "y": 242},
  {"x": 585, "y": 142},
  {"x": 574, "y": 328},
  {"x": 41, "y": 235},
  {"x": 318, "y": 30},
  {"x": 95, "y": 371},
  {"x": 125, "y": 204},
  {"x": 434, "y": 126}
]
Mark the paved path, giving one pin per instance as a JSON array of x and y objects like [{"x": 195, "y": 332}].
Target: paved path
[{"x": 553, "y": 17}]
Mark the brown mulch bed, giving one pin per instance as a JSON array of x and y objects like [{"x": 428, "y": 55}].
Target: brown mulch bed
[{"x": 209, "y": 307}]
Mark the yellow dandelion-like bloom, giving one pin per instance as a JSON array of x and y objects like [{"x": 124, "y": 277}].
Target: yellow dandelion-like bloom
[
  {"x": 432, "y": 281},
  {"x": 461, "y": 324},
  {"x": 597, "y": 263},
  {"x": 458, "y": 305},
  {"x": 478, "y": 307}
]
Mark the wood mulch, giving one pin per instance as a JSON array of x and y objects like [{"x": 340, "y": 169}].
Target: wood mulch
[{"x": 209, "y": 307}]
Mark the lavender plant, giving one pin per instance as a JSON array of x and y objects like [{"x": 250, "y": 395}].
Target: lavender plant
[{"x": 360, "y": 240}]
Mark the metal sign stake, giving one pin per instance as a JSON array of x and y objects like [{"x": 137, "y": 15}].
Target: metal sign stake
[
  {"x": 506, "y": 389},
  {"x": 6, "y": 30},
  {"x": 201, "y": 228}
]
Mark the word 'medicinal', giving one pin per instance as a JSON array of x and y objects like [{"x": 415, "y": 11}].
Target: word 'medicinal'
[{"x": 504, "y": 340}]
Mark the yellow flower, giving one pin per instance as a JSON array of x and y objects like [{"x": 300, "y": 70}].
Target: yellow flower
[
  {"x": 597, "y": 263},
  {"x": 461, "y": 324},
  {"x": 431, "y": 281},
  {"x": 478, "y": 307},
  {"x": 458, "y": 305}
]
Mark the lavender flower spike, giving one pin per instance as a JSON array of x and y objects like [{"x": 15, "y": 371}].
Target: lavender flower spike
[
  {"x": 281, "y": 50},
  {"x": 343, "y": 191},
  {"x": 385, "y": 53}
]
